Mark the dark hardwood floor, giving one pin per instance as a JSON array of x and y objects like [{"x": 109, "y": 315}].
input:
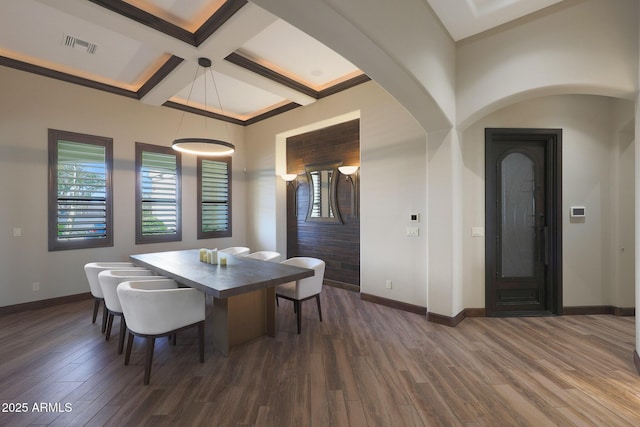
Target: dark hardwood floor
[{"x": 365, "y": 365}]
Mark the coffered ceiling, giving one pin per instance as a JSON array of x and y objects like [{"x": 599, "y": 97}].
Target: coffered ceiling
[
  {"x": 149, "y": 49},
  {"x": 465, "y": 18}
]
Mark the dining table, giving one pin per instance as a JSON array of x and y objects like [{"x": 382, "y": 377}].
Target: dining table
[{"x": 243, "y": 291}]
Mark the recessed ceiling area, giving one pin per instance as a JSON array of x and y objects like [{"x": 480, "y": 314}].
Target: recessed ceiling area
[
  {"x": 189, "y": 15},
  {"x": 465, "y": 18},
  {"x": 302, "y": 58},
  {"x": 148, "y": 50}
]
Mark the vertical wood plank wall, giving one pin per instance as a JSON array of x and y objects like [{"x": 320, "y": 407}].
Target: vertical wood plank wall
[{"x": 337, "y": 244}]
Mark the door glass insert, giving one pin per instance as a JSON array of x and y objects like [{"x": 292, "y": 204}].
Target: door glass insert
[{"x": 517, "y": 215}]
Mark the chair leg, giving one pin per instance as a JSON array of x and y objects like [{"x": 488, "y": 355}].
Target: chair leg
[
  {"x": 104, "y": 318},
  {"x": 319, "y": 308},
  {"x": 123, "y": 332},
  {"x": 109, "y": 326},
  {"x": 201, "y": 340},
  {"x": 148, "y": 359},
  {"x": 127, "y": 354},
  {"x": 96, "y": 307},
  {"x": 297, "y": 307}
]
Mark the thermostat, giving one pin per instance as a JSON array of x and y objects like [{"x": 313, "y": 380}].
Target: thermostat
[{"x": 578, "y": 212}]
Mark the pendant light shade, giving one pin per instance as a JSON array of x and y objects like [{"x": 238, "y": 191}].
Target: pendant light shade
[{"x": 204, "y": 146}]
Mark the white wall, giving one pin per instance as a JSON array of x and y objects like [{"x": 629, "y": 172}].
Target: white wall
[
  {"x": 392, "y": 186},
  {"x": 596, "y": 173},
  {"x": 579, "y": 47},
  {"x": 445, "y": 293},
  {"x": 622, "y": 171},
  {"x": 31, "y": 104}
]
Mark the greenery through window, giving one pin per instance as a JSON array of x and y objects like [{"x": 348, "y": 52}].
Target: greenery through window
[
  {"x": 214, "y": 197},
  {"x": 158, "y": 201},
  {"x": 80, "y": 193}
]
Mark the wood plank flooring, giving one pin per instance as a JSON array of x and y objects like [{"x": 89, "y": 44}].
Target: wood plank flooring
[{"x": 364, "y": 365}]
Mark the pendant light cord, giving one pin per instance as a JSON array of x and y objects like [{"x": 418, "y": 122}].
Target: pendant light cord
[
  {"x": 215, "y": 87},
  {"x": 189, "y": 99}
]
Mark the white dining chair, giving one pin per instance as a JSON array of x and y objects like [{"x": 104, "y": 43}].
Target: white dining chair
[
  {"x": 158, "y": 308},
  {"x": 236, "y": 250},
  {"x": 109, "y": 281},
  {"x": 303, "y": 289},
  {"x": 265, "y": 256},
  {"x": 92, "y": 270}
]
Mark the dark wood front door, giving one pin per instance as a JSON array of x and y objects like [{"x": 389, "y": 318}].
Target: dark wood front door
[{"x": 523, "y": 219}]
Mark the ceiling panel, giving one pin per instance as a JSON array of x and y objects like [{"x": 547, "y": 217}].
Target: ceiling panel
[
  {"x": 189, "y": 15},
  {"x": 35, "y": 33},
  {"x": 238, "y": 99},
  {"x": 465, "y": 18},
  {"x": 300, "y": 58}
]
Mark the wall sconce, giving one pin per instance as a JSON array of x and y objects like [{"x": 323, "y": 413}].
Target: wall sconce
[
  {"x": 292, "y": 181},
  {"x": 289, "y": 177},
  {"x": 351, "y": 174}
]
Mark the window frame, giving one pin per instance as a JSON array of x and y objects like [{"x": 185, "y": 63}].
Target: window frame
[
  {"x": 54, "y": 137},
  {"x": 214, "y": 234},
  {"x": 157, "y": 238}
]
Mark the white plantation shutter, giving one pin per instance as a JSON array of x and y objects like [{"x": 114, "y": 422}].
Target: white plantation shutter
[
  {"x": 158, "y": 194},
  {"x": 214, "y": 197},
  {"x": 80, "y": 191}
]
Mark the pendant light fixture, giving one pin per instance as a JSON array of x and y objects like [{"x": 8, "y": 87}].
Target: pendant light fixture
[{"x": 204, "y": 146}]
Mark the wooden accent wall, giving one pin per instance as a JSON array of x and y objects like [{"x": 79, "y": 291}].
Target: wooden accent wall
[{"x": 337, "y": 244}]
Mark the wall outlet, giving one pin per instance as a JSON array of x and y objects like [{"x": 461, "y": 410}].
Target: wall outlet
[
  {"x": 413, "y": 231},
  {"x": 477, "y": 231},
  {"x": 389, "y": 284},
  {"x": 36, "y": 286}
]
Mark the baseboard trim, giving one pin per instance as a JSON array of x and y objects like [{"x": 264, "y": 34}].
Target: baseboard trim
[
  {"x": 624, "y": 311},
  {"x": 567, "y": 311},
  {"x": 411, "y": 308},
  {"x": 475, "y": 312},
  {"x": 636, "y": 360},
  {"x": 481, "y": 312},
  {"x": 341, "y": 285},
  {"x": 446, "y": 320},
  {"x": 598, "y": 309},
  {"x": 454, "y": 321},
  {"x": 36, "y": 305}
]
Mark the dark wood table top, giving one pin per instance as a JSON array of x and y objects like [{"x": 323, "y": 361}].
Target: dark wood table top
[{"x": 245, "y": 275}]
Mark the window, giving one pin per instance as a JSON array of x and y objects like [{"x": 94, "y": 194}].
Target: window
[
  {"x": 214, "y": 197},
  {"x": 158, "y": 212},
  {"x": 80, "y": 193}
]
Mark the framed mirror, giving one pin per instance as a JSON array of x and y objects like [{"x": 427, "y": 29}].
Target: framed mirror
[{"x": 322, "y": 182}]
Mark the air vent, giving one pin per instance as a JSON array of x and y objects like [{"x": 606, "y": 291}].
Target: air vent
[{"x": 77, "y": 43}]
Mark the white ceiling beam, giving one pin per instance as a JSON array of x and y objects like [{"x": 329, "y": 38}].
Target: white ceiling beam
[{"x": 243, "y": 25}]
